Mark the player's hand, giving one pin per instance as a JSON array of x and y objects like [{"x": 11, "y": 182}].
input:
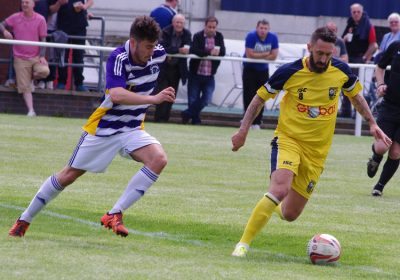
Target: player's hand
[
  {"x": 380, "y": 135},
  {"x": 381, "y": 90},
  {"x": 238, "y": 140},
  {"x": 167, "y": 95}
]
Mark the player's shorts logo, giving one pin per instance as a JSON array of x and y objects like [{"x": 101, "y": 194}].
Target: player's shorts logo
[
  {"x": 311, "y": 186},
  {"x": 332, "y": 92},
  {"x": 314, "y": 112}
]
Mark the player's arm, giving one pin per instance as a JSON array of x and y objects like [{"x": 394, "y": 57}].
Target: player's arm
[
  {"x": 380, "y": 82},
  {"x": 362, "y": 107},
  {"x": 239, "y": 138},
  {"x": 119, "y": 95}
]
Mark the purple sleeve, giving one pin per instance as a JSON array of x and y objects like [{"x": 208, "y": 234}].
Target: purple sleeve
[{"x": 115, "y": 71}]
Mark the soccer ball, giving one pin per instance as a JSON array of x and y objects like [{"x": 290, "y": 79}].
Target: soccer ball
[{"x": 323, "y": 249}]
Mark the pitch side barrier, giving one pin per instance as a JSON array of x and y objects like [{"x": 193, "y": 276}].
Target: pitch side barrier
[{"x": 363, "y": 68}]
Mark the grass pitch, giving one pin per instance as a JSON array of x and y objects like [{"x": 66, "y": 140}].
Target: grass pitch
[{"x": 187, "y": 224}]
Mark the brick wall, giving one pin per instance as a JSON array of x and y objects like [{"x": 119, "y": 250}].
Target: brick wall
[{"x": 51, "y": 102}]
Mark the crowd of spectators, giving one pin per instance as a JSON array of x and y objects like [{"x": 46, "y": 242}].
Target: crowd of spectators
[{"x": 68, "y": 20}]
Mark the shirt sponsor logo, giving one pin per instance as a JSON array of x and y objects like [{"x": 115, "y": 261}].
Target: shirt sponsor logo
[
  {"x": 314, "y": 112},
  {"x": 286, "y": 162}
]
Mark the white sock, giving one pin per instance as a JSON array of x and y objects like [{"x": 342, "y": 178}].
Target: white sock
[
  {"x": 49, "y": 190},
  {"x": 136, "y": 188}
]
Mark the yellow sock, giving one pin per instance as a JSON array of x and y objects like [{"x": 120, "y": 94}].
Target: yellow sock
[
  {"x": 259, "y": 217},
  {"x": 278, "y": 210}
]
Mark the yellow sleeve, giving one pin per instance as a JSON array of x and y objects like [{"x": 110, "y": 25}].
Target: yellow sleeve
[
  {"x": 265, "y": 94},
  {"x": 354, "y": 91}
]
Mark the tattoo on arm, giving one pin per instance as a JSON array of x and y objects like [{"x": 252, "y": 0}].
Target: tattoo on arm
[
  {"x": 362, "y": 107},
  {"x": 253, "y": 110}
]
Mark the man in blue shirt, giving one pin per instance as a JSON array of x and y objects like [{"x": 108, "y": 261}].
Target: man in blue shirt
[
  {"x": 164, "y": 13},
  {"x": 260, "y": 44}
]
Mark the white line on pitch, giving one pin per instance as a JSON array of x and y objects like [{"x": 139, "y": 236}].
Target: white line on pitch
[{"x": 161, "y": 235}]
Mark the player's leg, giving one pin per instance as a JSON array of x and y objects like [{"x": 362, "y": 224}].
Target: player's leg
[
  {"x": 154, "y": 159},
  {"x": 143, "y": 148},
  {"x": 379, "y": 148},
  {"x": 389, "y": 168},
  {"x": 292, "y": 206},
  {"x": 281, "y": 181},
  {"x": 91, "y": 153},
  {"x": 303, "y": 184},
  {"x": 287, "y": 160},
  {"x": 49, "y": 190}
]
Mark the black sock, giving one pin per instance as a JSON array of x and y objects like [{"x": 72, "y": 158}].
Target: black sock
[
  {"x": 377, "y": 158},
  {"x": 379, "y": 187},
  {"x": 389, "y": 168}
]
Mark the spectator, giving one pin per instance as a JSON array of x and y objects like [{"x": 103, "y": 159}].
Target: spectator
[
  {"x": 259, "y": 44},
  {"x": 390, "y": 37},
  {"x": 201, "y": 82},
  {"x": 175, "y": 39},
  {"x": 360, "y": 38},
  {"x": 43, "y": 7},
  {"x": 394, "y": 34},
  {"x": 340, "y": 51},
  {"x": 116, "y": 127},
  {"x": 72, "y": 19},
  {"x": 388, "y": 118},
  {"x": 164, "y": 13},
  {"x": 29, "y": 61}
]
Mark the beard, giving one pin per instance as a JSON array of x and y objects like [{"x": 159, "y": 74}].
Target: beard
[{"x": 317, "y": 67}]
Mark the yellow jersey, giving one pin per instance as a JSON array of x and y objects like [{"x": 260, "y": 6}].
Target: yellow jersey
[{"x": 309, "y": 106}]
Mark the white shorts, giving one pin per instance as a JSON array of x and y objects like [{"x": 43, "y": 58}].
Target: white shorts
[{"x": 94, "y": 153}]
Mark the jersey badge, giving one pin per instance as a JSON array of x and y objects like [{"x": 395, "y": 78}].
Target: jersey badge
[{"x": 332, "y": 92}]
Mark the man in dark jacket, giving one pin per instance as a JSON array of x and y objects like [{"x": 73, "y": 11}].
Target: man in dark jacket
[
  {"x": 72, "y": 19},
  {"x": 176, "y": 39},
  {"x": 201, "y": 83}
]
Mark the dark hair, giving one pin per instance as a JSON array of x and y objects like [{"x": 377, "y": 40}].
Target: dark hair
[
  {"x": 324, "y": 34},
  {"x": 211, "y": 19},
  {"x": 145, "y": 28},
  {"x": 263, "y": 22}
]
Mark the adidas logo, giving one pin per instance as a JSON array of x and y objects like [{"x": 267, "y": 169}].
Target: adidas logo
[{"x": 131, "y": 76}]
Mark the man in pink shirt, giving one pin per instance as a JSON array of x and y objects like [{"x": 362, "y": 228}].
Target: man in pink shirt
[{"x": 29, "y": 61}]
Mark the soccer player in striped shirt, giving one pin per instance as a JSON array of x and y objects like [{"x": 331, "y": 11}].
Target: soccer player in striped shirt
[{"x": 116, "y": 126}]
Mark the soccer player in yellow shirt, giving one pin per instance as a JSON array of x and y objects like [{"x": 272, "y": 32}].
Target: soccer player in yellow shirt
[{"x": 305, "y": 129}]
